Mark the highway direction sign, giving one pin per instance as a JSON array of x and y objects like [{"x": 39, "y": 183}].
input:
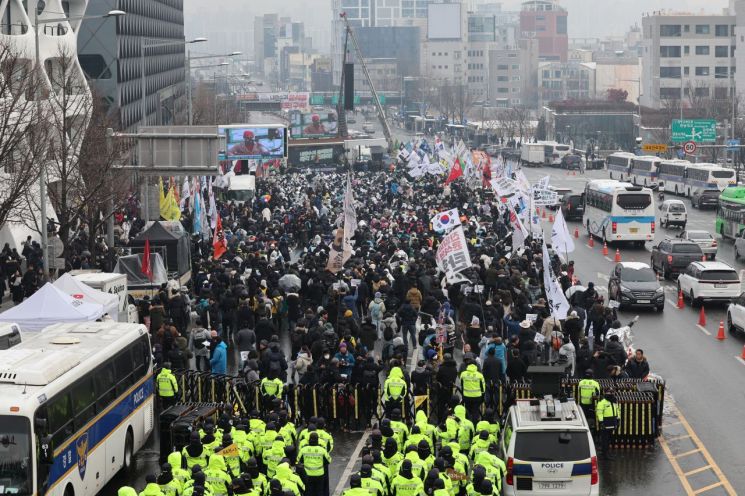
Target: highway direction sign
[{"x": 698, "y": 130}]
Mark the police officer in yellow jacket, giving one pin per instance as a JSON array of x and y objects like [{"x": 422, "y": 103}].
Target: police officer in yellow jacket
[
  {"x": 369, "y": 482},
  {"x": 355, "y": 487},
  {"x": 151, "y": 486},
  {"x": 167, "y": 386},
  {"x": 394, "y": 390},
  {"x": 195, "y": 453},
  {"x": 169, "y": 485},
  {"x": 473, "y": 385},
  {"x": 271, "y": 388},
  {"x": 608, "y": 415},
  {"x": 406, "y": 483},
  {"x": 589, "y": 391},
  {"x": 316, "y": 459}
]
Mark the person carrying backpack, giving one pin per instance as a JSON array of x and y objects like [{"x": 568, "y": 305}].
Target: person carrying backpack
[{"x": 197, "y": 339}]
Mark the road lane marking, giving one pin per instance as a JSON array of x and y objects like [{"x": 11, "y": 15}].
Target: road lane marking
[
  {"x": 673, "y": 303},
  {"x": 740, "y": 359},
  {"x": 704, "y": 330},
  {"x": 709, "y": 462},
  {"x": 350, "y": 465},
  {"x": 608, "y": 259}
]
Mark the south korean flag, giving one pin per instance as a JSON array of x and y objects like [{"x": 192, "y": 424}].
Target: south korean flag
[{"x": 446, "y": 220}]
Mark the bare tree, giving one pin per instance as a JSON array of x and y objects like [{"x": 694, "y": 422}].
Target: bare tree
[
  {"x": 23, "y": 133},
  {"x": 209, "y": 107},
  {"x": 83, "y": 182}
]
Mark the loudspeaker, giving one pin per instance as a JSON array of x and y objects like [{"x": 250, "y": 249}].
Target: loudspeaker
[{"x": 348, "y": 86}]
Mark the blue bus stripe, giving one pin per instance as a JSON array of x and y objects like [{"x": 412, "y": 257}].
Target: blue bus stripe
[
  {"x": 522, "y": 470},
  {"x": 99, "y": 429},
  {"x": 627, "y": 219}
]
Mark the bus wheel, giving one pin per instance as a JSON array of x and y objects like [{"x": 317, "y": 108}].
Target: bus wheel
[
  {"x": 128, "y": 451},
  {"x": 69, "y": 491}
]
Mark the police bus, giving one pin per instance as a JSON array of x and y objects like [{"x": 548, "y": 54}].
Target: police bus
[
  {"x": 671, "y": 176},
  {"x": 76, "y": 403},
  {"x": 619, "y": 211},
  {"x": 708, "y": 176},
  {"x": 619, "y": 164},
  {"x": 643, "y": 171}
]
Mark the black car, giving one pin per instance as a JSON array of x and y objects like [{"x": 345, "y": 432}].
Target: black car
[
  {"x": 571, "y": 162},
  {"x": 573, "y": 207},
  {"x": 672, "y": 256},
  {"x": 635, "y": 284},
  {"x": 706, "y": 198}
]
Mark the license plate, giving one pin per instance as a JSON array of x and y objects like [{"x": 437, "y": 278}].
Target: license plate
[
  {"x": 634, "y": 230},
  {"x": 552, "y": 485},
  {"x": 643, "y": 302},
  {"x": 720, "y": 285}
]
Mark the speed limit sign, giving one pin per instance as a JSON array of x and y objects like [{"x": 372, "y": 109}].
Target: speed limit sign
[{"x": 689, "y": 147}]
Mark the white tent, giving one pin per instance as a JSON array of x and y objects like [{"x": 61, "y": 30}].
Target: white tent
[
  {"x": 80, "y": 291},
  {"x": 50, "y": 305}
]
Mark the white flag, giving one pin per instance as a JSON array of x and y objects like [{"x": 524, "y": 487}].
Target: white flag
[
  {"x": 341, "y": 248},
  {"x": 446, "y": 220},
  {"x": 561, "y": 239},
  {"x": 557, "y": 302}
]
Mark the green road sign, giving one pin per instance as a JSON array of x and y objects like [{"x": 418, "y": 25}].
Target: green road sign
[
  {"x": 698, "y": 130},
  {"x": 317, "y": 99}
]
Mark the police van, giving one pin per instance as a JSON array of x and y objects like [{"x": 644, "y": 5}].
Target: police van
[{"x": 549, "y": 449}]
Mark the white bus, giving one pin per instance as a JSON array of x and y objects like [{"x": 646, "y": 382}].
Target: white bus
[
  {"x": 643, "y": 171},
  {"x": 671, "y": 176},
  {"x": 708, "y": 176},
  {"x": 619, "y": 164},
  {"x": 76, "y": 403},
  {"x": 619, "y": 211}
]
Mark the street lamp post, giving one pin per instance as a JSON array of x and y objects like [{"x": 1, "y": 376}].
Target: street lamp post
[
  {"x": 144, "y": 46},
  {"x": 40, "y": 6},
  {"x": 189, "y": 58}
]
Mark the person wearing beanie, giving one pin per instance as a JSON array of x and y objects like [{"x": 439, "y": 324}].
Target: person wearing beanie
[
  {"x": 194, "y": 453},
  {"x": 151, "y": 486},
  {"x": 169, "y": 486},
  {"x": 376, "y": 311},
  {"x": 368, "y": 480},
  {"x": 316, "y": 460},
  {"x": 355, "y": 487},
  {"x": 406, "y": 483}
]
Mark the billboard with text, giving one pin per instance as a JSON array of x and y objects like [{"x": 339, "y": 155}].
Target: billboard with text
[{"x": 253, "y": 142}]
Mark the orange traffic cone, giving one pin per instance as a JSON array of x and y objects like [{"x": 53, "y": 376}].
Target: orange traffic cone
[
  {"x": 743, "y": 353},
  {"x": 550, "y": 217},
  {"x": 605, "y": 249},
  {"x": 702, "y": 317},
  {"x": 680, "y": 299},
  {"x": 720, "y": 334},
  {"x": 618, "y": 256},
  {"x": 576, "y": 233},
  {"x": 591, "y": 243},
  {"x": 543, "y": 214}
]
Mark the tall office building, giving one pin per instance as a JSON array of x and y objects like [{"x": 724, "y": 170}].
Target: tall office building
[
  {"x": 110, "y": 54},
  {"x": 687, "y": 55},
  {"x": 547, "y": 22}
]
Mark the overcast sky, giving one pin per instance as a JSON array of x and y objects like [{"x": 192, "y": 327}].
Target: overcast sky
[{"x": 586, "y": 17}]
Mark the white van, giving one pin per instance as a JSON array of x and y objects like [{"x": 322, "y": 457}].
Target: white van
[
  {"x": 533, "y": 154},
  {"x": 549, "y": 449},
  {"x": 673, "y": 213},
  {"x": 10, "y": 335}
]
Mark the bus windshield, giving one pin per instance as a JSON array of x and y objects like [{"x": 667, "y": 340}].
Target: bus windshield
[
  {"x": 241, "y": 195},
  {"x": 15, "y": 455}
]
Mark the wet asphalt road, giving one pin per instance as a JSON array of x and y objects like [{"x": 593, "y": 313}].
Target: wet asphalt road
[{"x": 702, "y": 375}]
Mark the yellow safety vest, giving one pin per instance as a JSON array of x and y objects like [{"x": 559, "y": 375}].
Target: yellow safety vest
[
  {"x": 587, "y": 389},
  {"x": 313, "y": 458},
  {"x": 472, "y": 383},
  {"x": 167, "y": 384}
]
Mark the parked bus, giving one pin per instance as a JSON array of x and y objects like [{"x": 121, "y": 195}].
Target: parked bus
[
  {"x": 619, "y": 211},
  {"x": 731, "y": 212},
  {"x": 643, "y": 171},
  {"x": 708, "y": 176},
  {"x": 77, "y": 403},
  {"x": 619, "y": 164},
  {"x": 671, "y": 176}
]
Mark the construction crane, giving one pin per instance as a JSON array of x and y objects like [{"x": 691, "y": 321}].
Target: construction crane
[{"x": 376, "y": 100}]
